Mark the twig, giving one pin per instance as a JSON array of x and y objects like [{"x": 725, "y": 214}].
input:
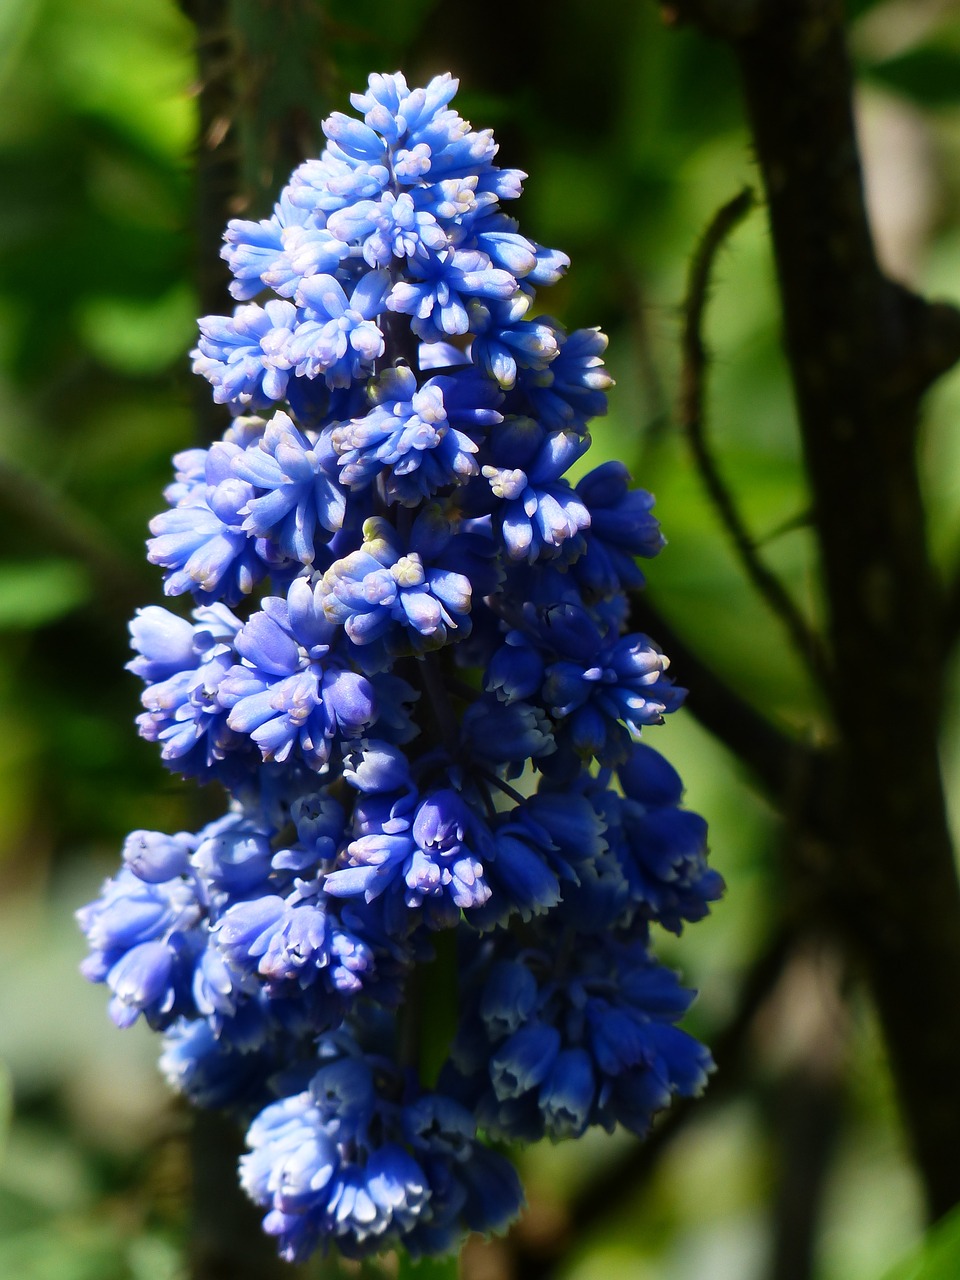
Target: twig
[{"x": 692, "y": 415}]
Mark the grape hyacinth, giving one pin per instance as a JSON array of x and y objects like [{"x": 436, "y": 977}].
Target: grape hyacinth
[{"x": 405, "y": 662}]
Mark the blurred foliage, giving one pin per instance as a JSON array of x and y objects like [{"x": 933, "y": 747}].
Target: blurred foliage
[
  {"x": 632, "y": 135},
  {"x": 937, "y": 1258}
]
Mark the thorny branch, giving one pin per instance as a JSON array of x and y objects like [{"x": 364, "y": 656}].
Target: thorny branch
[{"x": 693, "y": 419}]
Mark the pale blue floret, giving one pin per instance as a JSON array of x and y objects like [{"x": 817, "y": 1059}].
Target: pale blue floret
[
  {"x": 338, "y": 337},
  {"x": 607, "y": 696},
  {"x": 183, "y": 666},
  {"x": 154, "y": 857},
  {"x": 504, "y": 342},
  {"x": 420, "y": 850},
  {"x": 284, "y": 940},
  {"x": 279, "y": 251},
  {"x": 329, "y": 183},
  {"x": 144, "y": 939},
  {"x": 245, "y": 357},
  {"x": 308, "y": 250},
  {"x": 295, "y": 499},
  {"x": 388, "y": 228},
  {"x": 201, "y": 542},
  {"x": 386, "y": 586},
  {"x": 290, "y": 692},
  {"x": 439, "y": 289},
  {"x": 200, "y": 1064},
  {"x": 394, "y": 110},
  {"x": 418, "y": 438},
  {"x": 536, "y": 511},
  {"x": 233, "y": 857}
]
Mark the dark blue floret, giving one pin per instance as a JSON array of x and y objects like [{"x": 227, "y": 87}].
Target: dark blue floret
[{"x": 621, "y": 529}]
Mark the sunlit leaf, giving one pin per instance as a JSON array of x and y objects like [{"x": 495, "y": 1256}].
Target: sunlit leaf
[
  {"x": 938, "y": 1257},
  {"x": 139, "y": 337},
  {"x": 41, "y": 591}
]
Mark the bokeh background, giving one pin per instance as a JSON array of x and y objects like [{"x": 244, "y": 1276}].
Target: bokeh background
[{"x": 632, "y": 135}]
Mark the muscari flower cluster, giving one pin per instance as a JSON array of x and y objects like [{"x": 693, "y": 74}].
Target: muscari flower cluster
[{"x": 406, "y": 664}]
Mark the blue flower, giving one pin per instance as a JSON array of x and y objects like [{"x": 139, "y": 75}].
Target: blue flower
[
  {"x": 278, "y": 251},
  {"x": 595, "y": 1044},
  {"x": 536, "y": 512},
  {"x": 497, "y": 236},
  {"x": 506, "y": 737},
  {"x": 197, "y": 1063},
  {"x": 506, "y": 343},
  {"x": 425, "y": 717},
  {"x": 662, "y": 848},
  {"x": 604, "y": 691},
  {"x": 332, "y": 182},
  {"x": 273, "y": 937},
  {"x": 144, "y": 939},
  {"x": 391, "y": 227},
  {"x": 572, "y": 388},
  {"x": 289, "y": 1167},
  {"x": 568, "y": 1093},
  {"x": 524, "y": 1060},
  {"x": 397, "y": 112},
  {"x": 155, "y": 858},
  {"x": 621, "y": 529},
  {"x": 201, "y": 541},
  {"x": 317, "y": 1169},
  {"x": 233, "y": 856}
]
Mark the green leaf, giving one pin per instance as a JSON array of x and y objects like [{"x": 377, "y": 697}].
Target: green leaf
[
  {"x": 938, "y": 1257},
  {"x": 6, "y": 1105},
  {"x": 17, "y": 18},
  {"x": 40, "y": 592},
  {"x": 428, "y": 1268},
  {"x": 438, "y": 994},
  {"x": 136, "y": 337},
  {"x": 930, "y": 76}
]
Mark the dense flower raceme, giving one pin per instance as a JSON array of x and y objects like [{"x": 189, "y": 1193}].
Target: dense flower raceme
[{"x": 405, "y": 657}]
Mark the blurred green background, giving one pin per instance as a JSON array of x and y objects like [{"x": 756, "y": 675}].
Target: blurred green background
[{"x": 632, "y": 135}]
